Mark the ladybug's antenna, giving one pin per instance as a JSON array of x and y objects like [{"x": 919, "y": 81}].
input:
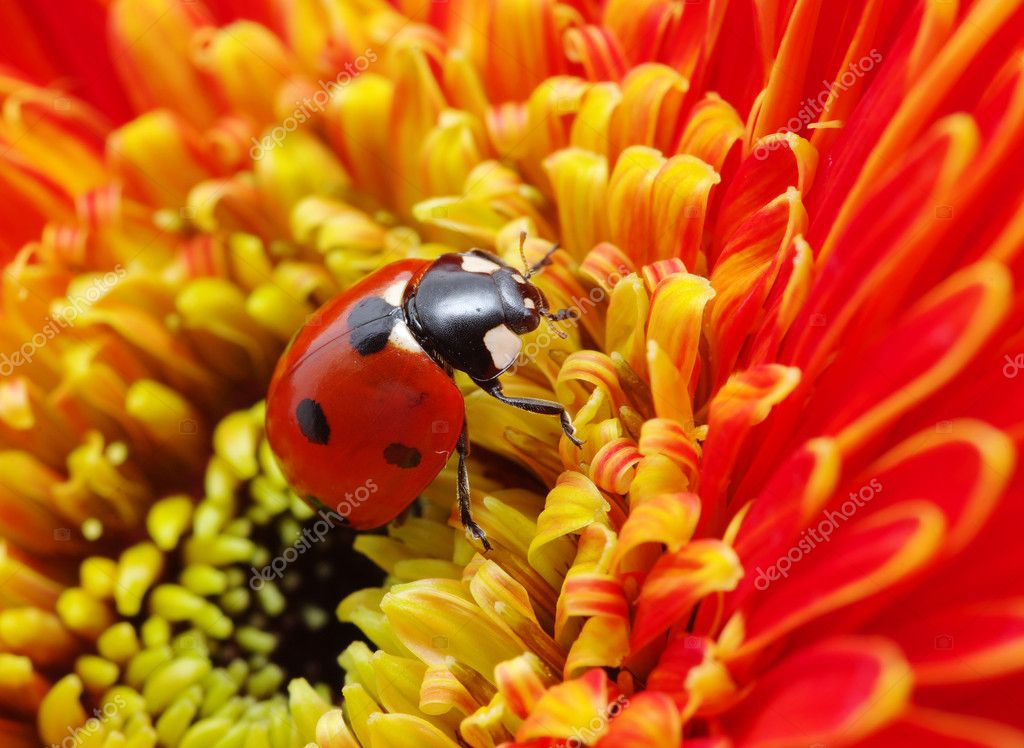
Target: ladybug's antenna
[
  {"x": 542, "y": 263},
  {"x": 559, "y": 316},
  {"x": 554, "y": 328}
]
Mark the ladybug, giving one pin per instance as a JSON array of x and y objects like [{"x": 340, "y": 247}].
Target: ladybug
[{"x": 363, "y": 411}]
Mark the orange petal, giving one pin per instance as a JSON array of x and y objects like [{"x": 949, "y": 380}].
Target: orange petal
[
  {"x": 648, "y": 194},
  {"x": 744, "y": 274},
  {"x": 152, "y": 48},
  {"x": 649, "y": 113},
  {"x": 646, "y": 719},
  {"x": 669, "y": 519},
  {"x": 597, "y": 50},
  {"x": 712, "y": 129},
  {"x": 663, "y": 436},
  {"x": 742, "y": 403},
  {"x": 677, "y": 582},
  {"x": 568, "y": 708},
  {"x": 523, "y": 681},
  {"x": 614, "y": 465}
]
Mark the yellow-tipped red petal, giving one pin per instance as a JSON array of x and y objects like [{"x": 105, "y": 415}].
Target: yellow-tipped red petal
[
  {"x": 847, "y": 562},
  {"x": 677, "y": 581},
  {"x": 840, "y": 690}
]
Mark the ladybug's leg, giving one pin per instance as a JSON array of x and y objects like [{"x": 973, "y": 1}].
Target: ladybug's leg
[
  {"x": 493, "y": 388},
  {"x": 465, "y": 513}
]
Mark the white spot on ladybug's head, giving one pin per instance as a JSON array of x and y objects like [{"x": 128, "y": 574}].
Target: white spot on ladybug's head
[
  {"x": 393, "y": 293},
  {"x": 402, "y": 337},
  {"x": 503, "y": 345},
  {"x": 478, "y": 264},
  {"x": 518, "y": 278},
  {"x": 528, "y": 303}
]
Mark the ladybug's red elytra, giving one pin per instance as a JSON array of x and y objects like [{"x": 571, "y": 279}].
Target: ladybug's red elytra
[{"x": 364, "y": 393}]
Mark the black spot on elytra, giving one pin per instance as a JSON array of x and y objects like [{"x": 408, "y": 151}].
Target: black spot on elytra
[
  {"x": 313, "y": 422},
  {"x": 402, "y": 456},
  {"x": 371, "y": 322}
]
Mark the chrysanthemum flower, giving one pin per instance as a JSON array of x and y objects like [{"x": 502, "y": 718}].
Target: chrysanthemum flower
[{"x": 793, "y": 233}]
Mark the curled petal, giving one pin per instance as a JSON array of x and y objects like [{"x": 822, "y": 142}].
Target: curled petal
[
  {"x": 742, "y": 403},
  {"x": 523, "y": 680},
  {"x": 423, "y": 614},
  {"x": 571, "y": 505},
  {"x": 569, "y": 707},
  {"x": 614, "y": 465},
  {"x": 674, "y": 332},
  {"x": 652, "y": 98},
  {"x": 713, "y": 129},
  {"x": 647, "y": 195},
  {"x": 677, "y": 581},
  {"x": 664, "y": 436},
  {"x": 668, "y": 519},
  {"x": 646, "y": 719}
]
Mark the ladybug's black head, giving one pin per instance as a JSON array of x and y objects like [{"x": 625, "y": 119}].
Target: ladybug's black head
[
  {"x": 521, "y": 301},
  {"x": 468, "y": 310}
]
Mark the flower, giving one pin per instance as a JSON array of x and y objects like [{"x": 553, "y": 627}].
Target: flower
[{"x": 792, "y": 236}]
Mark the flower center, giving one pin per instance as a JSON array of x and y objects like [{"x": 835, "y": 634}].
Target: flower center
[{"x": 325, "y": 569}]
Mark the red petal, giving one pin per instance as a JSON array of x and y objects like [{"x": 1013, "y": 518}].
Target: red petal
[
  {"x": 843, "y": 562},
  {"x": 937, "y": 729},
  {"x": 64, "y": 44},
  {"x": 677, "y": 581},
  {"x": 834, "y": 693}
]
